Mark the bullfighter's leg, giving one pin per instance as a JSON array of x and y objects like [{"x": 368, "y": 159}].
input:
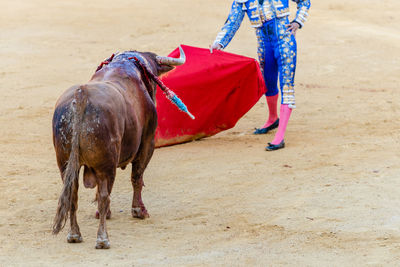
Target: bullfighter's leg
[
  {"x": 138, "y": 167},
  {"x": 74, "y": 235},
  {"x": 103, "y": 206},
  {"x": 269, "y": 66},
  {"x": 285, "y": 53}
]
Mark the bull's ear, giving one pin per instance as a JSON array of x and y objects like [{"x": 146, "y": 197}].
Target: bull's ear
[{"x": 164, "y": 69}]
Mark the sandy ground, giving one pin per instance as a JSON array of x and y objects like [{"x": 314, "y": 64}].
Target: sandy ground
[{"x": 329, "y": 199}]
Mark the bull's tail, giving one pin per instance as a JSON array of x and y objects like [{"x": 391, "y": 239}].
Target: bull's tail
[{"x": 71, "y": 172}]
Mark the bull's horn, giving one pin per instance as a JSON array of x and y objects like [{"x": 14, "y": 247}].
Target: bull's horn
[{"x": 171, "y": 61}]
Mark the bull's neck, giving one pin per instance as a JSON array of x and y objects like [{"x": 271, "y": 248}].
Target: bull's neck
[{"x": 125, "y": 76}]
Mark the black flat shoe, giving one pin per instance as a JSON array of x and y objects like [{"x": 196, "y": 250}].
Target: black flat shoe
[
  {"x": 272, "y": 147},
  {"x": 267, "y": 129}
]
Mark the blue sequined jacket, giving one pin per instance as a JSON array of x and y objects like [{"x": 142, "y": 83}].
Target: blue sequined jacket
[{"x": 258, "y": 14}]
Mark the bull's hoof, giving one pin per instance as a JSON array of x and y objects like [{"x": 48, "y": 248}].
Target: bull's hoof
[
  {"x": 140, "y": 213},
  {"x": 74, "y": 238},
  {"x": 107, "y": 217},
  {"x": 102, "y": 244}
]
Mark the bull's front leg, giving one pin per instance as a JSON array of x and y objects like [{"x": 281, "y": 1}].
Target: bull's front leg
[
  {"x": 138, "y": 208},
  {"x": 138, "y": 167},
  {"x": 103, "y": 199}
]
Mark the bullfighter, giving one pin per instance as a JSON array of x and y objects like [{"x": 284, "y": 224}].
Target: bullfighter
[{"x": 277, "y": 52}]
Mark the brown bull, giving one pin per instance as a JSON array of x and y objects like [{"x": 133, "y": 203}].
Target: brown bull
[{"x": 104, "y": 125}]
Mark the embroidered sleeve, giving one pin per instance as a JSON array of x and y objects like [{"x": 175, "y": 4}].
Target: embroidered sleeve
[
  {"x": 232, "y": 24},
  {"x": 302, "y": 11}
]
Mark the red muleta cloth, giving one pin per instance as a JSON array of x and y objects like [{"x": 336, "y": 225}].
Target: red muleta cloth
[{"x": 218, "y": 90}]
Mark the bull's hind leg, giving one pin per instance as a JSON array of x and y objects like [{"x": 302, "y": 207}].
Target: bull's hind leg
[
  {"x": 103, "y": 198},
  {"x": 90, "y": 181},
  {"x": 138, "y": 167},
  {"x": 74, "y": 235},
  {"x": 110, "y": 186},
  {"x": 97, "y": 214}
]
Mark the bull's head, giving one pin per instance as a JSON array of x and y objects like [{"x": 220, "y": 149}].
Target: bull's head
[{"x": 166, "y": 64}]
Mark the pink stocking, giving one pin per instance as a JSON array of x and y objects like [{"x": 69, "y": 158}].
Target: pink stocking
[
  {"x": 283, "y": 121},
  {"x": 272, "y": 102}
]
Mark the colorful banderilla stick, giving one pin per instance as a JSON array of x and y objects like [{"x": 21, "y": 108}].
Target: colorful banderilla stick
[{"x": 168, "y": 92}]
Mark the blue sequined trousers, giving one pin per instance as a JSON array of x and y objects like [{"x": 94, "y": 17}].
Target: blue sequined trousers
[{"x": 277, "y": 50}]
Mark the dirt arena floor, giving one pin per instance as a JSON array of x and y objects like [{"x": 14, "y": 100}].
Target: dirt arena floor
[{"x": 330, "y": 198}]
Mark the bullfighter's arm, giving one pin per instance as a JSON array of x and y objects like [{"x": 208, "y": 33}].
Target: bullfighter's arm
[
  {"x": 232, "y": 24},
  {"x": 302, "y": 11}
]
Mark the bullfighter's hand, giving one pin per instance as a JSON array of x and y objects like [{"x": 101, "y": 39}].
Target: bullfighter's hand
[
  {"x": 293, "y": 27},
  {"x": 215, "y": 46}
]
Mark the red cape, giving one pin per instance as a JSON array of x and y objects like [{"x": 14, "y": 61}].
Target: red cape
[{"x": 218, "y": 90}]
